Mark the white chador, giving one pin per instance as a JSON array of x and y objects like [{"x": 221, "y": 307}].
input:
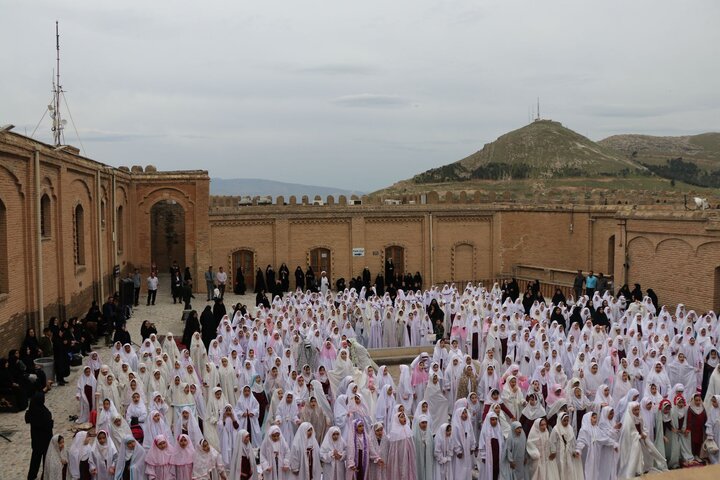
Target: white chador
[
  {"x": 305, "y": 454},
  {"x": 275, "y": 456},
  {"x": 443, "y": 453},
  {"x": 590, "y": 443},
  {"x": 562, "y": 444},
  {"x": 332, "y": 454},
  {"x": 463, "y": 442},
  {"x": 87, "y": 379},
  {"x": 637, "y": 453},
  {"x": 490, "y": 446},
  {"x": 247, "y": 410},
  {"x": 538, "y": 448}
]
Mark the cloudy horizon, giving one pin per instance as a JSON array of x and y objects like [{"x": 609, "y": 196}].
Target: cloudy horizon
[{"x": 353, "y": 95}]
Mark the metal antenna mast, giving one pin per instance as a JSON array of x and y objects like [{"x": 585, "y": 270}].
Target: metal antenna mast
[
  {"x": 58, "y": 122},
  {"x": 538, "y": 110}
]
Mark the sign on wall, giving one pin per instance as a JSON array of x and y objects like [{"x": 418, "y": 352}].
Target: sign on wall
[{"x": 358, "y": 252}]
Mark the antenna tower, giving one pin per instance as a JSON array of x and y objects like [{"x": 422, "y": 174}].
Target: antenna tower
[
  {"x": 538, "y": 108},
  {"x": 58, "y": 124}
]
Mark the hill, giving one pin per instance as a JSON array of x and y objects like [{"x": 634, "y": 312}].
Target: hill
[
  {"x": 543, "y": 149},
  {"x": 694, "y": 159},
  {"x": 545, "y": 155},
  {"x": 258, "y": 186}
]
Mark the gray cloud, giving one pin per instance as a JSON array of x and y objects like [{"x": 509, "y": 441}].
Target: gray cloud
[
  {"x": 371, "y": 100},
  {"x": 338, "y": 69},
  {"x": 103, "y": 136}
]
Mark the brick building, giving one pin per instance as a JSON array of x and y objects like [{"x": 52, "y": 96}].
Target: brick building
[{"x": 66, "y": 221}]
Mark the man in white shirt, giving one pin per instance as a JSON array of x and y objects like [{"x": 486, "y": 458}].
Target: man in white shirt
[
  {"x": 221, "y": 278},
  {"x": 152, "y": 286}
]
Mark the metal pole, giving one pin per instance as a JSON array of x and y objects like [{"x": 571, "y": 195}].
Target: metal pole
[
  {"x": 432, "y": 253},
  {"x": 101, "y": 289}
]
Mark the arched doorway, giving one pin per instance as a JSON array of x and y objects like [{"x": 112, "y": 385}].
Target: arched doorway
[
  {"x": 321, "y": 260},
  {"x": 245, "y": 259},
  {"x": 167, "y": 235},
  {"x": 463, "y": 263},
  {"x": 397, "y": 255},
  {"x": 611, "y": 255}
]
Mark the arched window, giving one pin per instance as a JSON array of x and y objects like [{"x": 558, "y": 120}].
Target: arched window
[
  {"x": 120, "y": 229},
  {"x": 4, "y": 264},
  {"x": 79, "y": 227},
  {"x": 102, "y": 214},
  {"x": 45, "y": 225}
]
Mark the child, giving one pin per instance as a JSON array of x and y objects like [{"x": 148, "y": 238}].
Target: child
[{"x": 157, "y": 460}]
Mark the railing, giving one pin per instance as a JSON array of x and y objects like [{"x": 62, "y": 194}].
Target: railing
[{"x": 547, "y": 288}]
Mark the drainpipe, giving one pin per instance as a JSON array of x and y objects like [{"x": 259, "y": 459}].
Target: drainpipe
[
  {"x": 39, "y": 264},
  {"x": 114, "y": 231},
  {"x": 432, "y": 253},
  {"x": 98, "y": 203}
]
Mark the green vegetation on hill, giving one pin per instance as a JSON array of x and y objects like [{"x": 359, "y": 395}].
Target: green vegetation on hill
[{"x": 691, "y": 159}]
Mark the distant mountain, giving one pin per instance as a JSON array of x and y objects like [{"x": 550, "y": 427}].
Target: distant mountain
[{"x": 258, "y": 186}]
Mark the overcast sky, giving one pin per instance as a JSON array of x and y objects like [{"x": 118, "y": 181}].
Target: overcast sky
[{"x": 353, "y": 94}]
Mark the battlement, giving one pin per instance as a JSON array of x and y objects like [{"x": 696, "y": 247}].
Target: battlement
[{"x": 671, "y": 200}]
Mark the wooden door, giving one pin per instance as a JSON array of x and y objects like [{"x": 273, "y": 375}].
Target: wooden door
[
  {"x": 245, "y": 259},
  {"x": 320, "y": 260},
  {"x": 397, "y": 255}
]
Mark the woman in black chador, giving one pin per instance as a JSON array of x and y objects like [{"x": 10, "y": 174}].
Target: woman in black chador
[
  {"x": 239, "y": 282},
  {"x": 284, "y": 274},
  {"x": 380, "y": 284},
  {"x": 260, "y": 281},
  {"x": 270, "y": 280},
  {"x": 390, "y": 271},
  {"x": 310, "y": 279},
  {"x": 299, "y": 278}
]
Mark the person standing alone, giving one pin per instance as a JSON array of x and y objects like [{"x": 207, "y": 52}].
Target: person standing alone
[
  {"x": 578, "y": 284},
  {"x": 221, "y": 278},
  {"x": 209, "y": 283},
  {"x": 41, "y": 428},
  {"x": 152, "y": 286},
  {"x": 137, "y": 282},
  {"x": 590, "y": 285}
]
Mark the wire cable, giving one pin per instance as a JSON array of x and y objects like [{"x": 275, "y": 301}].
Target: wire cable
[{"x": 73, "y": 124}]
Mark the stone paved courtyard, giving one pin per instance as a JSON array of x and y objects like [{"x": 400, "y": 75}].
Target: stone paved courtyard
[{"x": 15, "y": 456}]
